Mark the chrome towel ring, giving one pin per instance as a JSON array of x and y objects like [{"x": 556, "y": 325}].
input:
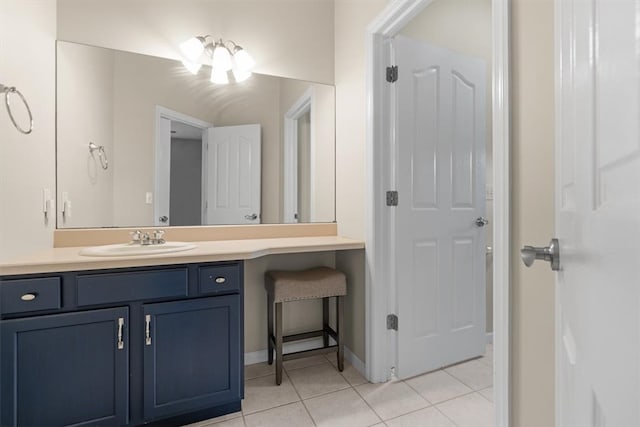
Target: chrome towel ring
[
  {"x": 101, "y": 154},
  {"x": 7, "y": 102}
]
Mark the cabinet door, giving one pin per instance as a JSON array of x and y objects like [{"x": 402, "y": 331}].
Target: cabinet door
[
  {"x": 191, "y": 355},
  {"x": 65, "y": 369}
]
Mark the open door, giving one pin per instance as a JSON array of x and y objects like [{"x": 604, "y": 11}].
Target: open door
[
  {"x": 233, "y": 175},
  {"x": 598, "y": 213},
  {"x": 439, "y": 234}
]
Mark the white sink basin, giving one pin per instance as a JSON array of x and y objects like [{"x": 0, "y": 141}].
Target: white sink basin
[{"x": 127, "y": 249}]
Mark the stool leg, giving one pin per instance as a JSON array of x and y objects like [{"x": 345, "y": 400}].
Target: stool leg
[
  {"x": 325, "y": 321},
  {"x": 278, "y": 343},
  {"x": 270, "y": 328},
  {"x": 340, "y": 327}
]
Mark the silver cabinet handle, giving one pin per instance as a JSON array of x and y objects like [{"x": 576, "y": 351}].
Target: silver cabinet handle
[
  {"x": 549, "y": 253},
  {"x": 220, "y": 280},
  {"x": 147, "y": 329},
  {"x": 28, "y": 297},
  {"x": 251, "y": 217},
  {"x": 481, "y": 221},
  {"x": 120, "y": 329}
]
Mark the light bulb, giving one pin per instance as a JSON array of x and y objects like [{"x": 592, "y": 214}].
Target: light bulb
[
  {"x": 240, "y": 75},
  {"x": 221, "y": 57},
  {"x": 193, "y": 48},
  {"x": 193, "y": 67},
  {"x": 219, "y": 76},
  {"x": 244, "y": 61}
]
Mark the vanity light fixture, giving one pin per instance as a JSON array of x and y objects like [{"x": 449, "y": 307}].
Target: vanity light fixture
[{"x": 224, "y": 56}]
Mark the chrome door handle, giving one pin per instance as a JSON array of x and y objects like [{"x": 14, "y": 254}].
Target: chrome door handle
[
  {"x": 481, "y": 221},
  {"x": 251, "y": 217},
  {"x": 549, "y": 253},
  {"x": 164, "y": 218}
]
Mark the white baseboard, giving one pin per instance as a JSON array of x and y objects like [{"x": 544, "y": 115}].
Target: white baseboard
[
  {"x": 489, "y": 337},
  {"x": 261, "y": 355}
]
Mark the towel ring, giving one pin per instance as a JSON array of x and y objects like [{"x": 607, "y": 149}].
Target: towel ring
[
  {"x": 9, "y": 90},
  {"x": 104, "y": 162}
]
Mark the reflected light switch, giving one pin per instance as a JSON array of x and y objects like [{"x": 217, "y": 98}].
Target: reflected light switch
[{"x": 148, "y": 198}]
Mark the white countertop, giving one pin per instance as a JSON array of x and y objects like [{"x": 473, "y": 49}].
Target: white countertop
[{"x": 69, "y": 259}]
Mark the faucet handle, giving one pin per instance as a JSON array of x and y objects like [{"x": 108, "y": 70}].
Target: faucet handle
[
  {"x": 135, "y": 236},
  {"x": 158, "y": 236}
]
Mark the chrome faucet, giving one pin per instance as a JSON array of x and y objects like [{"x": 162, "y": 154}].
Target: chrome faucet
[{"x": 146, "y": 238}]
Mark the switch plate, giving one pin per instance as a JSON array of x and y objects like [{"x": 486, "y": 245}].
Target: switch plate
[
  {"x": 489, "y": 193},
  {"x": 148, "y": 198}
]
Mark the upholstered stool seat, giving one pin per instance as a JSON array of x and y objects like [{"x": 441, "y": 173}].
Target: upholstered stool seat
[{"x": 285, "y": 286}]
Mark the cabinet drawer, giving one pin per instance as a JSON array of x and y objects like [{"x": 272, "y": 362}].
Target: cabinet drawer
[
  {"x": 131, "y": 286},
  {"x": 219, "y": 278},
  {"x": 23, "y": 295}
]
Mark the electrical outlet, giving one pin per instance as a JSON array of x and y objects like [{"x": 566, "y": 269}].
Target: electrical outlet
[{"x": 148, "y": 198}]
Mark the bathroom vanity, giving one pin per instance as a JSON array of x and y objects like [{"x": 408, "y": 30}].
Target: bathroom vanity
[
  {"x": 130, "y": 340},
  {"x": 122, "y": 346}
]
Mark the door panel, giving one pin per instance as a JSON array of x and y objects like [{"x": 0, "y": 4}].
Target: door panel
[
  {"x": 192, "y": 356},
  {"x": 233, "y": 182},
  {"x": 440, "y": 268},
  {"x": 597, "y": 214},
  {"x": 65, "y": 369}
]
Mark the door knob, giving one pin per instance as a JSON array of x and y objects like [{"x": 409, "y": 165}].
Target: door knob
[
  {"x": 251, "y": 217},
  {"x": 164, "y": 218},
  {"x": 549, "y": 253},
  {"x": 481, "y": 221}
]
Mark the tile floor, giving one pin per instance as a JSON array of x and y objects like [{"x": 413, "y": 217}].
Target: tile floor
[{"x": 314, "y": 393}]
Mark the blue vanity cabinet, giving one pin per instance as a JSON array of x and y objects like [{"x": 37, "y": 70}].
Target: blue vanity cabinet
[
  {"x": 191, "y": 355},
  {"x": 157, "y": 345},
  {"x": 65, "y": 369}
]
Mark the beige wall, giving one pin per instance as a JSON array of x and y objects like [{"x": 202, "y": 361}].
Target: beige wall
[
  {"x": 464, "y": 26},
  {"x": 27, "y": 61},
  {"x": 532, "y": 212},
  {"x": 351, "y": 20},
  {"x": 86, "y": 92},
  {"x": 264, "y": 28}
]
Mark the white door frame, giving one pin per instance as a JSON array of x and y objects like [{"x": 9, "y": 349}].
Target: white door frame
[
  {"x": 379, "y": 269},
  {"x": 303, "y": 105},
  {"x": 163, "y": 153}
]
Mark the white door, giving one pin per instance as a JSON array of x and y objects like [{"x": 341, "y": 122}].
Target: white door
[
  {"x": 440, "y": 251},
  {"x": 233, "y": 175},
  {"x": 598, "y": 213}
]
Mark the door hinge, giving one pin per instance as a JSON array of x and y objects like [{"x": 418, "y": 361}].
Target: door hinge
[
  {"x": 392, "y": 198},
  {"x": 392, "y": 73},
  {"x": 392, "y": 322}
]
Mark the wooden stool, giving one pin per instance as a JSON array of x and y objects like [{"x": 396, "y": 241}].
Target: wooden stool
[{"x": 284, "y": 286}]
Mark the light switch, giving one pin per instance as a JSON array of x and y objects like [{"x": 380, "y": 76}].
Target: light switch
[
  {"x": 148, "y": 198},
  {"x": 46, "y": 201}
]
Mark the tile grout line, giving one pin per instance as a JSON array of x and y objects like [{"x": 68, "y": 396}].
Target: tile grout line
[
  {"x": 449, "y": 399},
  {"x": 301, "y": 400},
  {"x": 367, "y": 403},
  {"x": 445, "y": 415},
  {"x": 468, "y": 385}
]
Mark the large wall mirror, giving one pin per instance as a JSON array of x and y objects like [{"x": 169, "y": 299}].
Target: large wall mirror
[{"x": 143, "y": 142}]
